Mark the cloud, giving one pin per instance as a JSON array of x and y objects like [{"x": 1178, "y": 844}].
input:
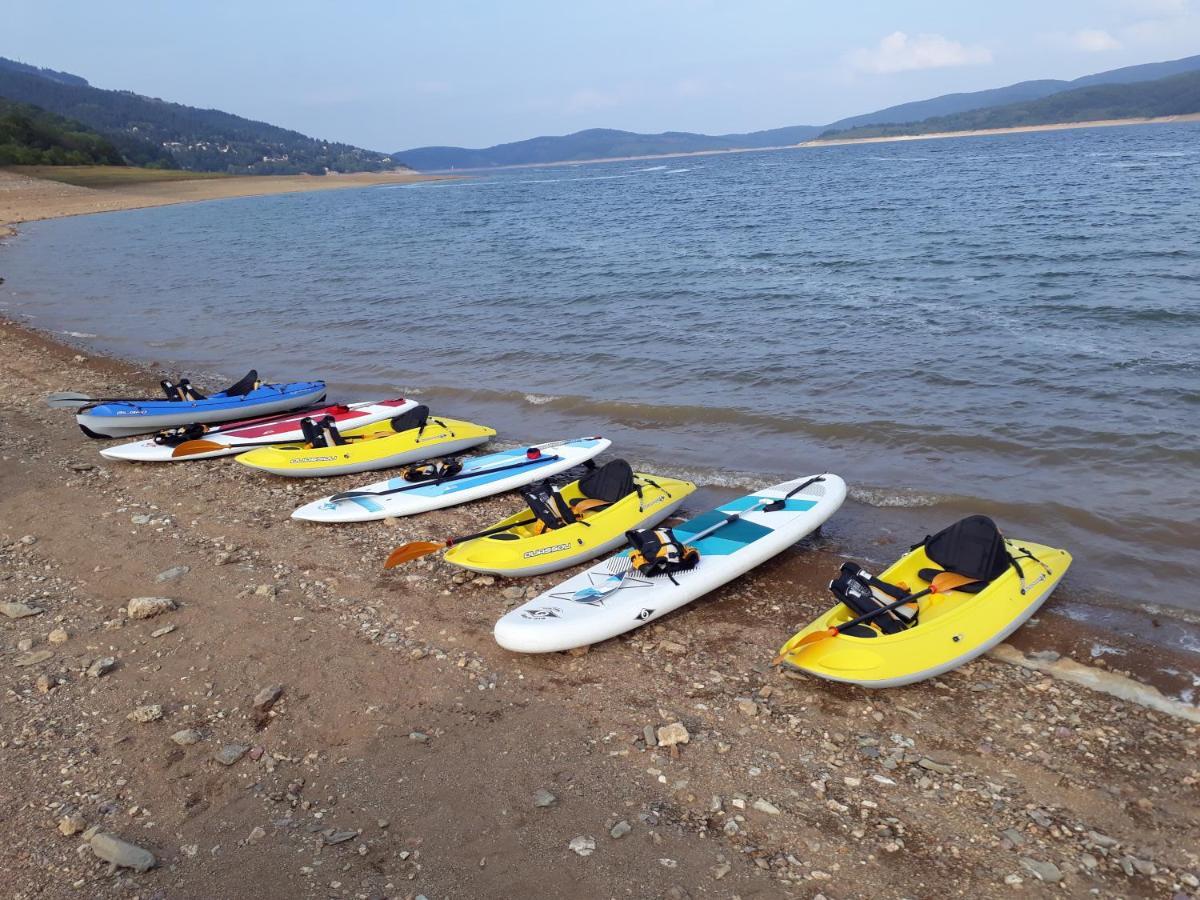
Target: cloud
[
  {"x": 588, "y": 100},
  {"x": 900, "y": 52},
  {"x": 1094, "y": 40}
]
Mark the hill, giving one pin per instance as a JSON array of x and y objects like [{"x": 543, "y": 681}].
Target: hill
[
  {"x": 948, "y": 104},
  {"x": 606, "y": 143},
  {"x": 1173, "y": 96},
  {"x": 597, "y": 143},
  {"x": 31, "y": 137},
  {"x": 149, "y": 131}
]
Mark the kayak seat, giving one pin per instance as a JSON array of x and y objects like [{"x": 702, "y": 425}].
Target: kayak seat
[
  {"x": 608, "y": 483},
  {"x": 417, "y": 417},
  {"x": 244, "y": 386}
]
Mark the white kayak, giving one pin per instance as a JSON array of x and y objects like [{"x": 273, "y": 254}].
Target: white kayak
[
  {"x": 241, "y": 436},
  {"x": 481, "y": 476},
  {"x": 610, "y": 598}
]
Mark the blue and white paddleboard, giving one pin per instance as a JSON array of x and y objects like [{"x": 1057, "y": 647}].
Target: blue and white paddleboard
[
  {"x": 481, "y": 476},
  {"x": 610, "y": 598}
]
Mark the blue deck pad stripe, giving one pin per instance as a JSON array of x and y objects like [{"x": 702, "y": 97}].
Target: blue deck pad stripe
[
  {"x": 789, "y": 505},
  {"x": 727, "y": 540}
]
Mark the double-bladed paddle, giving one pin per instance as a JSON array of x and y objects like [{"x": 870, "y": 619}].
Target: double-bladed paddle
[
  {"x": 416, "y": 549},
  {"x": 941, "y": 583},
  {"x": 71, "y": 399},
  {"x": 200, "y": 445},
  {"x": 433, "y": 482}
]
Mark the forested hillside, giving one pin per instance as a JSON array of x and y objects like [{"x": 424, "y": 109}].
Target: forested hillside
[
  {"x": 149, "y": 131},
  {"x": 33, "y": 137}
]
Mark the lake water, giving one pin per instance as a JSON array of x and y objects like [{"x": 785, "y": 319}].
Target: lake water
[{"x": 1009, "y": 325}]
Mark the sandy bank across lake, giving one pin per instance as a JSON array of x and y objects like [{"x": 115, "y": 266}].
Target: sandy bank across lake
[{"x": 27, "y": 199}]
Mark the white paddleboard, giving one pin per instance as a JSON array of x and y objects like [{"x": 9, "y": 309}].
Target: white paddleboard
[
  {"x": 481, "y": 476},
  {"x": 284, "y": 430},
  {"x": 609, "y": 598}
]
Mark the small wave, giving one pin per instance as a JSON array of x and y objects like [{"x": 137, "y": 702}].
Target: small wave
[
  {"x": 1099, "y": 650},
  {"x": 651, "y": 169},
  {"x": 79, "y": 334},
  {"x": 891, "y": 498},
  {"x": 539, "y": 399},
  {"x": 676, "y": 171}
]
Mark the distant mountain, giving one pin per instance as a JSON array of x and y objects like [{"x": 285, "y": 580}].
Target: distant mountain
[
  {"x": 605, "y": 143},
  {"x": 597, "y": 143},
  {"x": 1174, "y": 96},
  {"x": 948, "y": 104},
  {"x": 33, "y": 137},
  {"x": 149, "y": 131}
]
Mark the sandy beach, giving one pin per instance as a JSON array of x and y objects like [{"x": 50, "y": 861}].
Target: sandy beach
[
  {"x": 986, "y": 132},
  {"x": 296, "y": 722},
  {"x": 27, "y": 199}
]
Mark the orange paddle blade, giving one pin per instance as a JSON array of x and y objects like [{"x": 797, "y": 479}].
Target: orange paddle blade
[
  {"x": 414, "y": 550},
  {"x": 949, "y": 581},
  {"x": 191, "y": 448}
]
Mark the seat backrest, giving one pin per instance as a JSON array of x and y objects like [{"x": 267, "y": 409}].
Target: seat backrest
[
  {"x": 972, "y": 546},
  {"x": 417, "y": 417},
  {"x": 241, "y": 388},
  {"x": 609, "y": 483},
  {"x": 547, "y": 506}
]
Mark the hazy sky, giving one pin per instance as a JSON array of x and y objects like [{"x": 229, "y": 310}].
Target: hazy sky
[{"x": 395, "y": 75}]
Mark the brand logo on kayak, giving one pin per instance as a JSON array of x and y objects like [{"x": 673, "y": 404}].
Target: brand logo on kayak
[
  {"x": 306, "y": 459},
  {"x": 644, "y": 615},
  {"x": 546, "y": 612},
  {"x": 132, "y": 412},
  {"x": 555, "y": 549}
]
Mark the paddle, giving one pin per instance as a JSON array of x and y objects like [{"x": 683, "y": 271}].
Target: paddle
[
  {"x": 416, "y": 549},
  {"x": 616, "y": 579},
  {"x": 200, "y": 445},
  {"x": 70, "y": 399},
  {"x": 942, "y": 582},
  {"x": 433, "y": 482},
  {"x": 781, "y": 503}
]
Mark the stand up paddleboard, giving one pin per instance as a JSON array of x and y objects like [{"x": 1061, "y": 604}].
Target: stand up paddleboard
[
  {"x": 611, "y": 598},
  {"x": 481, "y": 476}
]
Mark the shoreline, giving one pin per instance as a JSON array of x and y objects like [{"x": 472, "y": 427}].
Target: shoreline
[
  {"x": 24, "y": 198},
  {"x": 815, "y": 143},
  {"x": 1016, "y": 129}
]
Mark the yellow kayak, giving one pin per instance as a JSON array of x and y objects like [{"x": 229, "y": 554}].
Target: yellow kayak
[
  {"x": 368, "y": 447},
  {"x": 951, "y": 628},
  {"x": 608, "y": 502}
]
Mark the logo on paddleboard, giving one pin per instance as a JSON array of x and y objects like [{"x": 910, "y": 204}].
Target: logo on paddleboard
[
  {"x": 644, "y": 615},
  {"x": 557, "y": 547},
  {"x": 545, "y": 612}
]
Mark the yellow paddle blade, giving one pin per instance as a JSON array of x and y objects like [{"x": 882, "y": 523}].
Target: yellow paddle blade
[
  {"x": 793, "y": 645},
  {"x": 191, "y": 448},
  {"x": 414, "y": 550},
  {"x": 949, "y": 581}
]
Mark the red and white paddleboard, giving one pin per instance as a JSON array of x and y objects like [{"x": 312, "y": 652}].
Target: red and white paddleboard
[{"x": 284, "y": 428}]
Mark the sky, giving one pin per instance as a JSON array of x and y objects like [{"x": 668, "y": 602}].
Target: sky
[{"x": 394, "y": 75}]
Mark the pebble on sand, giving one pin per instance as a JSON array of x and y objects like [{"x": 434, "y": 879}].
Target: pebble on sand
[
  {"x": 112, "y": 849},
  {"x": 149, "y": 607},
  {"x": 32, "y": 659},
  {"x": 231, "y": 753},
  {"x": 266, "y": 698},
  {"x": 543, "y": 798},
  {"x": 187, "y": 737},
  {"x": 20, "y": 610},
  {"x": 584, "y": 846},
  {"x": 172, "y": 574},
  {"x": 151, "y": 712},
  {"x": 102, "y": 667},
  {"x": 670, "y": 735}
]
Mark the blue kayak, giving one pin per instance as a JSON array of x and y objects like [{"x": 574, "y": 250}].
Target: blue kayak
[{"x": 184, "y": 405}]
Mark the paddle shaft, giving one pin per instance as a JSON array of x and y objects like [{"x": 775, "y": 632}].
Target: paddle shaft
[
  {"x": 450, "y": 542},
  {"x": 433, "y": 482}
]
